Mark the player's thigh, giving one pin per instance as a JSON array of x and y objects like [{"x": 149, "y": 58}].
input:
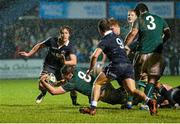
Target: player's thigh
[
  {"x": 101, "y": 79},
  {"x": 155, "y": 65},
  {"x": 140, "y": 66},
  {"x": 47, "y": 70}
]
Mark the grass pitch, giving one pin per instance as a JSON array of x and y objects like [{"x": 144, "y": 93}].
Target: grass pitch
[{"x": 17, "y": 105}]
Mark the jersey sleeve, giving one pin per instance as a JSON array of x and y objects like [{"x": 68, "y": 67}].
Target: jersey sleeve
[
  {"x": 72, "y": 50},
  {"x": 101, "y": 45},
  {"x": 68, "y": 86},
  {"x": 136, "y": 24},
  {"x": 47, "y": 42}
]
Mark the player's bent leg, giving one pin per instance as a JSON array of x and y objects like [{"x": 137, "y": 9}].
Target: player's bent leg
[
  {"x": 73, "y": 95},
  {"x": 100, "y": 80},
  {"x": 129, "y": 85},
  {"x": 41, "y": 96}
]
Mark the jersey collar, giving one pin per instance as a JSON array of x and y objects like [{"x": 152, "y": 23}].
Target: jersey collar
[
  {"x": 67, "y": 43},
  {"x": 107, "y": 32}
]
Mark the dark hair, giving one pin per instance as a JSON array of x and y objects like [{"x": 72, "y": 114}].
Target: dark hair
[
  {"x": 65, "y": 27},
  {"x": 104, "y": 25},
  {"x": 67, "y": 69},
  {"x": 140, "y": 7},
  {"x": 113, "y": 21}
]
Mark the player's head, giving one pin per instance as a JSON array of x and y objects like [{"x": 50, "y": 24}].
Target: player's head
[
  {"x": 114, "y": 25},
  {"x": 67, "y": 72},
  {"x": 141, "y": 8},
  {"x": 131, "y": 16},
  {"x": 103, "y": 26},
  {"x": 65, "y": 32}
]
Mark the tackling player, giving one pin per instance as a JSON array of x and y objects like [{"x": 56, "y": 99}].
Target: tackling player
[
  {"x": 153, "y": 32},
  {"x": 119, "y": 68},
  {"x": 79, "y": 82},
  {"x": 60, "y": 52}
]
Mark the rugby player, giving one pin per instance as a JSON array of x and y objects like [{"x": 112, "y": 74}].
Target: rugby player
[
  {"x": 153, "y": 32},
  {"x": 77, "y": 80},
  {"x": 119, "y": 68},
  {"x": 122, "y": 33},
  {"x": 60, "y": 52},
  {"x": 171, "y": 99}
]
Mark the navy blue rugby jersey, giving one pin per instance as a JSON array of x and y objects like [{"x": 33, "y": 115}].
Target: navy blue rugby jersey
[
  {"x": 113, "y": 47},
  {"x": 52, "y": 59}
]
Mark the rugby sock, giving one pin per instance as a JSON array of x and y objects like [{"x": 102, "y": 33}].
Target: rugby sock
[
  {"x": 140, "y": 84},
  {"x": 147, "y": 100},
  {"x": 149, "y": 90},
  {"x": 74, "y": 99},
  {"x": 130, "y": 98},
  {"x": 93, "y": 104},
  {"x": 129, "y": 101},
  {"x": 44, "y": 92}
]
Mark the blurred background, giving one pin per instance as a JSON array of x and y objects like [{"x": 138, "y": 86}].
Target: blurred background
[{"x": 26, "y": 22}]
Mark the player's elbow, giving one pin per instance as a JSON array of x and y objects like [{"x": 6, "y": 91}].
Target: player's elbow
[
  {"x": 167, "y": 34},
  {"x": 133, "y": 34},
  {"x": 74, "y": 62},
  {"x": 94, "y": 57},
  {"x": 58, "y": 91}
]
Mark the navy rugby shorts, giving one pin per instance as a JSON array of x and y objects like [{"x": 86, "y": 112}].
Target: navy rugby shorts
[
  {"x": 119, "y": 71},
  {"x": 47, "y": 70}
]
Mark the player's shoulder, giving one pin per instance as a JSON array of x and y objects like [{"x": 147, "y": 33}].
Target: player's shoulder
[
  {"x": 52, "y": 39},
  {"x": 109, "y": 36},
  {"x": 71, "y": 47},
  {"x": 156, "y": 16},
  {"x": 70, "y": 44}
]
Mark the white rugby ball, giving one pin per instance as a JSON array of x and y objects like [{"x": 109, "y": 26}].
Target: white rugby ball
[{"x": 52, "y": 78}]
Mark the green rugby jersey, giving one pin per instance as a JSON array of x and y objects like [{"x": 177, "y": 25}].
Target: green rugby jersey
[
  {"x": 79, "y": 84},
  {"x": 150, "y": 32}
]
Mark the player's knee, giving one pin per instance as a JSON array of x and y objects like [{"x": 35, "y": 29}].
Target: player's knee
[{"x": 132, "y": 91}]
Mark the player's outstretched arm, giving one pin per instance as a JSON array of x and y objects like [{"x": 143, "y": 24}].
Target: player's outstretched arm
[
  {"x": 32, "y": 51},
  {"x": 52, "y": 90},
  {"x": 131, "y": 36}
]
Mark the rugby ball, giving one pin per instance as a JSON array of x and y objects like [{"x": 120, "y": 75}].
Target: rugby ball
[{"x": 52, "y": 79}]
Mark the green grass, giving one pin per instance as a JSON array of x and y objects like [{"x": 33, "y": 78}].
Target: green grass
[{"x": 17, "y": 104}]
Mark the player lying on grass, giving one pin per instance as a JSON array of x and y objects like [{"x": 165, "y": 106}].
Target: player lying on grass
[
  {"x": 164, "y": 99},
  {"x": 169, "y": 99},
  {"x": 83, "y": 84}
]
